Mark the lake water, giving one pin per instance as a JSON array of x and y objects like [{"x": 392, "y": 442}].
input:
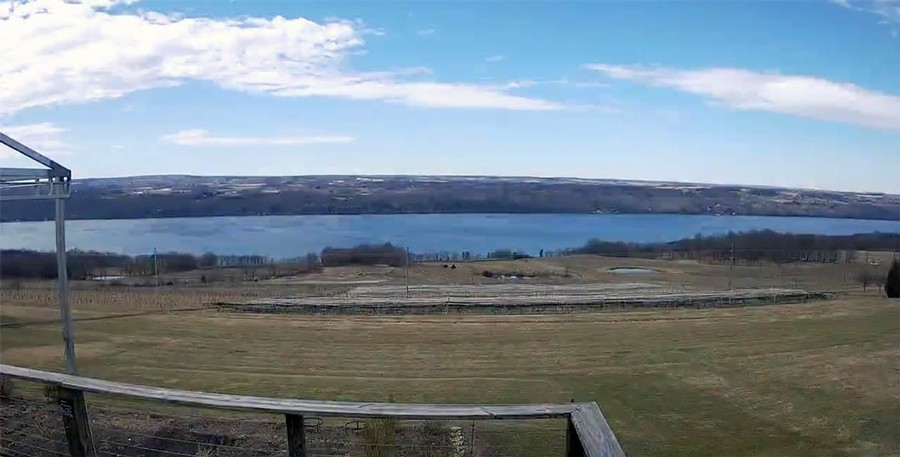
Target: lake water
[{"x": 288, "y": 236}]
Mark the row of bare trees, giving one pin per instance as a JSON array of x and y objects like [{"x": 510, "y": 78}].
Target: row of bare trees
[{"x": 751, "y": 247}]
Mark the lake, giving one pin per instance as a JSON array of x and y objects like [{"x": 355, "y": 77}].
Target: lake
[{"x": 288, "y": 236}]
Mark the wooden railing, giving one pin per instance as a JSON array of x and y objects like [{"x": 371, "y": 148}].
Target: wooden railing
[{"x": 587, "y": 434}]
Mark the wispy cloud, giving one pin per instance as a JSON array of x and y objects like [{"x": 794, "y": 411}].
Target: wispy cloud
[
  {"x": 200, "y": 137},
  {"x": 43, "y": 137},
  {"x": 496, "y": 58},
  {"x": 521, "y": 84},
  {"x": 803, "y": 96},
  {"x": 587, "y": 84},
  {"x": 565, "y": 82},
  {"x": 888, "y": 11},
  {"x": 108, "y": 53},
  {"x": 425, "y": 32}
]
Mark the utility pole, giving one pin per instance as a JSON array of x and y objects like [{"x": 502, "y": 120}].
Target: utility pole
[
  {"x": 407, "y": 272},
  {"x": 156, "y": 267},
  {"x": 731, "y": 266},
  {"x": 866, "y": 272}
]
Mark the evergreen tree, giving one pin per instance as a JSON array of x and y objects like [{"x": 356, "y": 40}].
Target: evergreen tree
[{"x": 892, "y": 285}]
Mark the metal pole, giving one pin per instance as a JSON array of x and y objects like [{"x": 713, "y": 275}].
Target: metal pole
[
  {"x": 407, "y": 272},
  {"x": 472, "y": 441},
  {"x": 62, "y": 280},
  {"x": 731, "y": 267},
  {"x": 866, "y": 272},
  {"x": 155, "y": 267}
]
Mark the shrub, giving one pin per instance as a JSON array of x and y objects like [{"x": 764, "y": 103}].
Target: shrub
[
  {"x": 51, "y": 393},
  {"x": 7, "y": 387},
  {"x": 434, "y": 439},
  {"x": 866, "y": 278},
  {"x": 379, "y": 437}
]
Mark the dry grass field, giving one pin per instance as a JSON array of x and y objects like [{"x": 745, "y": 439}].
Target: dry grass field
[{"x": 788, "y": 380}]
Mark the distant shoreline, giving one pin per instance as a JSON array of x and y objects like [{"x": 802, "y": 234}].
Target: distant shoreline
[
  {"x": 193, "y": 196},
  {"x": 70, "y": 219}
]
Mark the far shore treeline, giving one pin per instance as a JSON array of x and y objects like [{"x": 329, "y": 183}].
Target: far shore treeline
[
  {"x": 754, "y": 246},
  {"x": 139, "y": 197}
]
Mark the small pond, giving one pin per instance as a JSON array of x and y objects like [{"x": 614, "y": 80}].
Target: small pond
[{"x": 632, "y": 271}]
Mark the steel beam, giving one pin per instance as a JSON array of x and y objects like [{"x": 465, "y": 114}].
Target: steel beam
[
  {"x": 23, "y": 174},
  {"x": 56, "y": 169}
]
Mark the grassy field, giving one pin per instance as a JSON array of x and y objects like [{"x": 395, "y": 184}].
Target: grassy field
[{"x": 793, "y": 380}]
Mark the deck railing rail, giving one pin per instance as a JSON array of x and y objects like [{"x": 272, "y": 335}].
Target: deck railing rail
[{"x": 587, "y": 432}]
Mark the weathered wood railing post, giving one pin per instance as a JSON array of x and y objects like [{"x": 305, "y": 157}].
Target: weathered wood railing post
[
  {"x": 591, "y": 432},
  {"x": 296, "y": 435},
  {"x": 573, "y": 442},
  {"x": 76, "y": 422}
]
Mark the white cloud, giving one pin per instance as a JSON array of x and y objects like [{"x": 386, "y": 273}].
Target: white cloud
[
  {"x": 56, "y": 52},
  {"x": 42, "y": 137},
  {"x": 803, "y": 96},
  {"x": 425, "y": 32},
  {"x": 496, "y": 58},
  {"x": 200, "y": 137}
]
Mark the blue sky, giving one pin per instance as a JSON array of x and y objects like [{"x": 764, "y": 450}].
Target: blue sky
[{"x": 800, "y": 94}]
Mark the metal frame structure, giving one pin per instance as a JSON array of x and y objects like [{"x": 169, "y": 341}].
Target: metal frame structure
[{"x": 50, "y": 182}]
